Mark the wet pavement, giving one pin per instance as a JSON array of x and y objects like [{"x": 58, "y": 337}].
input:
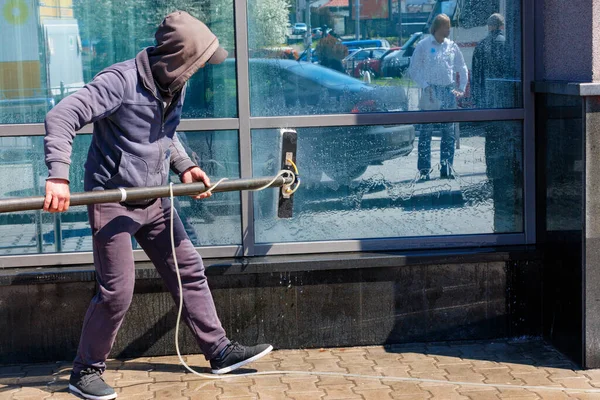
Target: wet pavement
[{"x": 520, "y": 370}]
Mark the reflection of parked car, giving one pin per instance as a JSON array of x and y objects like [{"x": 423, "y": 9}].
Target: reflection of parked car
[
  {"x": 285, "y": 87},
  {"x": 363, "y": 44},
  {"x": 300, "y": 28},
  {"x": 343, "y": 153},
  {"x": 281, "y": 87},
  {"x": 351, "y": 61},
  {"x": 395, "y": 63},
  {"x": 372, "y": 65}
]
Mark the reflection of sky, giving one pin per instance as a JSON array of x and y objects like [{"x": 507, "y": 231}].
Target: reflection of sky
[{"x": 448, "y": 7}]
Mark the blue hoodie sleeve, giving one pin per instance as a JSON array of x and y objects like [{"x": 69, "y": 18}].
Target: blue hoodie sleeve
[{"x": 98, "y": 99}]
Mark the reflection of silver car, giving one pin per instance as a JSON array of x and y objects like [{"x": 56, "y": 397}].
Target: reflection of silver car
[
  {"x": 299, "y": 28},
  {"x": 395, "y": 64},
  {"x": 281, "y": 87},
  {"x": 287, "y": 87},
  {"x": 342, "y": 153}
]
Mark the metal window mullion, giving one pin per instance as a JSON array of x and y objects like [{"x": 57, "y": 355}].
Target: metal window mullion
[
  {"x": 538, "y": 37},
  {"x": 212, "y": 124},
  {"x": 81, "y": 258},
  {"x": 8, "y": 130},
  {"x": 208, "y": 124},
  {"x": 245, "y": 142},
  {"x": 528, "y": 61},
  {"x": 409, "y": 243},
  {"x": 419, "y": 117},
  {"x": 391, "y": 244}
]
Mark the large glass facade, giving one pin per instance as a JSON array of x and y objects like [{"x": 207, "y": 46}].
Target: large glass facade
[
  {"x": 314, "y": 67},
  {"x": 398, "y": 56},
  {"x": 361, "y": 183},
  {"x": 212, "y": 222},
  {"x": 215, "y": 221},
  {"x": 50, "y": 49}
]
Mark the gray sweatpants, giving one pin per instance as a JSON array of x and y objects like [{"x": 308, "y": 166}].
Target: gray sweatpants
[{"x": 112, "y": 227}]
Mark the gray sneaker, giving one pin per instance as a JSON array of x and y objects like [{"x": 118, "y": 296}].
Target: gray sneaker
[
  {"x": 235, "y": 356},
  {"x": 89, "y": 384}
]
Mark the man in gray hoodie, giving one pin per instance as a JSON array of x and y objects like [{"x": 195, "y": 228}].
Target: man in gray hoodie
[{"x": 135, "y": 107}]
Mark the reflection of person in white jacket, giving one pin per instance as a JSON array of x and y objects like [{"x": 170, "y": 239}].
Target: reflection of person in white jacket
[{"x": 434, "y": 65}]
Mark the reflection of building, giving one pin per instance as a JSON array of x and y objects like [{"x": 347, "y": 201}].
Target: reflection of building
[
  {"x": 59, "y": 9},
  {"x": 30, "y": 74},
  {"x": 20, "y": 68},
  {"x": 418, "y": 6},
  {"x": 404, "y": 20},
  {"x": 340, "y": 9},
  {"x": 301, "y": 8}
]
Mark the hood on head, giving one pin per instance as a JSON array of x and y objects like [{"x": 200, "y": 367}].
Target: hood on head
[{"x": 183, "y": 45}]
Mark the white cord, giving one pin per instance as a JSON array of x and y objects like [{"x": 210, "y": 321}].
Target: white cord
[
  {"x": 338, "y": 374},
  {"x": 178, "y": 282},
  {"x": 283, "y": 172},
  {"x": 206, "y": 376},
  {"x": 215, "y": 185}
]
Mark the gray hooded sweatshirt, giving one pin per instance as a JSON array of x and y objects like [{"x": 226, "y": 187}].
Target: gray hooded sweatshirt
[{"x": 134, "y": 141}]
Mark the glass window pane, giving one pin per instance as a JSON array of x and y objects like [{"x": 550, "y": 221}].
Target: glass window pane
[
  {"x": 565, "y": 157},
  {"x": 387, "y": 60},
  {"x": 217, "y": 220},
  {"x": 363, "y": 182},
  {"x": 50, "y": 49},
  {"x": 29, "y": 232},
  {"x": 33, "y": 232}
]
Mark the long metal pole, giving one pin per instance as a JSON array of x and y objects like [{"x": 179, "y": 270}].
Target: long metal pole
[{"x": 142, "y": 193}]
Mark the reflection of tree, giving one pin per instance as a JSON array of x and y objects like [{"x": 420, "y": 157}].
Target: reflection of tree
[
  {"x": 267, "y": 23},
  {"x": 330, "y": 52},
  {"x": 126, "y": 26}
]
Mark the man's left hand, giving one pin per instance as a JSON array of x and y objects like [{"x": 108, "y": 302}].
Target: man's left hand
[{"x": 195, "y": 174}]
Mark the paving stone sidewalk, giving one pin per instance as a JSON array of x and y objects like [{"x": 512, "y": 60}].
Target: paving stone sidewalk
[{"x": 436, "y": 371}]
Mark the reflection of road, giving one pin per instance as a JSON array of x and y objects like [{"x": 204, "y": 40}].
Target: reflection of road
[
  {"x": 387, "y": 202},
  {"x": 384, "y": 202}
]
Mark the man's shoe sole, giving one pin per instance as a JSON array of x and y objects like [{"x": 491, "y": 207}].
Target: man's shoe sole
[
  {"x": 242, "y": 363},
  {"x": 89, "y": 396}
]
